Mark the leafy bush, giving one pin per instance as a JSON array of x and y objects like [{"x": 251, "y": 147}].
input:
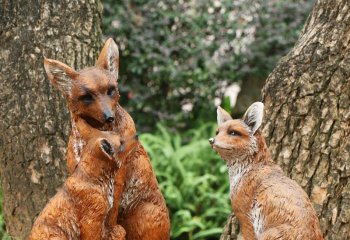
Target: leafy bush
[
  {"x": 3, "y": 234},
  {"x": 184, "y": 53},
  {"x": 275, "y": 28},
  {"x": 193, "y": 181}
]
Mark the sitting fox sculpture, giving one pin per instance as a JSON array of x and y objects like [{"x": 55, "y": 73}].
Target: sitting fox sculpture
[
  {"x": 81, "y": 209},
  {"x": 92, "y": 94},
  {"x": 267, "y": 204}
]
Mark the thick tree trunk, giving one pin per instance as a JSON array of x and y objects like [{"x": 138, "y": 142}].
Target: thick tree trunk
[
  {"x": 307, "y": 118},
  {"x": 34, "y": 119}
]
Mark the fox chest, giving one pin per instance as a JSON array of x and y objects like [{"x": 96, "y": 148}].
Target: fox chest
[
  {"x": 244, "y": 206},
  {"x": 95, "y": 205},
  {"x": 139, "y": 184}
]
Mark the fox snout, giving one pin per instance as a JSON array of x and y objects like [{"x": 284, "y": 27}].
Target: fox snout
[
  {"x": 211, "y": 141},
  {"x": 108, "y": 116}
]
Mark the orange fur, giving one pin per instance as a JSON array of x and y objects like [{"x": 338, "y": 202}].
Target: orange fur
[
  {"x": 267, "y": 204},
  {"x": 81, "y": 208},
  {"x": 142, "y": 210}
]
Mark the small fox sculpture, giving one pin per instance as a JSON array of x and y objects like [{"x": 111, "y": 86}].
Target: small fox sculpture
[
  {"x": 81, "y": 208},
  {"x": 267, "y": 204},
  {"x": 92, "y": 95}
]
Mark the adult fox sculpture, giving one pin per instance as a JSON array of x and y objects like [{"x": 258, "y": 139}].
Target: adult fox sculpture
[
  {"x": 92, "y": 95},
  {"x": 267, "y": 204},
  {"x": 81, "y": 209}
]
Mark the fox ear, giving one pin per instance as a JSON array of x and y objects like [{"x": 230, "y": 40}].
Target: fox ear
[
  {"x": 109, "y": 57},
  {"x": 60, "y": 75},
  {"x": 106, "y": 148},
  {"x": 222, "y": 116},
  {"x": 254, "y": 115}
]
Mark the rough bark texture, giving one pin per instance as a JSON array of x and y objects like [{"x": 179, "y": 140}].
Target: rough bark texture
[
  {"x": 307, "y": 116},
  {"x": 231, "y": 229},
  {"x": 34, "y": 121}
]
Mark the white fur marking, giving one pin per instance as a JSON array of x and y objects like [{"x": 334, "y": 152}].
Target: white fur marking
[
  {"x": 135, "y": 191},
  {"x": 257, "y": 219},
  {"x": 110, "y": 192},
  {"x": 236, "y": 173},
  {"x": 78, "y": 143}
]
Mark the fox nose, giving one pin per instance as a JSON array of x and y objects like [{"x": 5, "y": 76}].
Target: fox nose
[
  {"x": 108, "y": 117},
  {"x": 211, "y": 140}
]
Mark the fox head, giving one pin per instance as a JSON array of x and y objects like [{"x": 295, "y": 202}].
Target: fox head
[
  {"x": 92, "y": 92},
  {"x": 236, "y": 138},
  {"x": 109, "y": 148}
]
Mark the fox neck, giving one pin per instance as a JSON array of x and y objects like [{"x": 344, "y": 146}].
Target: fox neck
[
  {"x": 236, "y": 173},
  {"x": 240, "y": 165},
  {"x": 97, "y": 170},
  {"x": 78, "y": 141}
]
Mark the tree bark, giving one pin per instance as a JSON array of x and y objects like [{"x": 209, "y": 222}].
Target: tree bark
[
  {"x": 307, "y": 115},
  {"x": 34, "y": 123}
]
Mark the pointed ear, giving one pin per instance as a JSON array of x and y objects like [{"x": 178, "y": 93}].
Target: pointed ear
[
  {"x": 222, "y": 116},
  {"x": 254, "y": 115},
  {"x": 60, "y": 75},
  {"x": 109, "y": 57},
  {"x": 106, "y": 148}
]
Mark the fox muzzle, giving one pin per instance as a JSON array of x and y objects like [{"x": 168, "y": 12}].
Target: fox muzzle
[
  {"x": 108, "y": 117},
  {"x": 211, "y": 141}
]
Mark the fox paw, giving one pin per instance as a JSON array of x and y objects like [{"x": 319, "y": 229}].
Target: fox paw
[{"x": 117, "y": 233}]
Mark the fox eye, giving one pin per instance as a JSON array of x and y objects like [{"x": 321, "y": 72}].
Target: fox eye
[
  {"x": 87, "y": 98},
  {"x": 233, "y": 133},
  {"x": 111, "y": 91},
  {"x": 217, "y": 132}
]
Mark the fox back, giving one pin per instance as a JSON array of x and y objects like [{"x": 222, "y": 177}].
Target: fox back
[{"x": 267, "y": 204}]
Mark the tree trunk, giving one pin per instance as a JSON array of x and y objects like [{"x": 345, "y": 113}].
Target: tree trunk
[
  {"x": 35, "y": 123},
  {"x": 307, "y": 117}
]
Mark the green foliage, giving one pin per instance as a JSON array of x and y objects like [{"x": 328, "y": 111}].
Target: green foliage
[
  {"x": 277, "y": 25},
  {"x": 187, "y": 52},
  {"x": 193, "y": 181},
  {"x": 168, "y": 53},
  {"x": 226, "y": 104},
  {"x": 3, "y": 234}
]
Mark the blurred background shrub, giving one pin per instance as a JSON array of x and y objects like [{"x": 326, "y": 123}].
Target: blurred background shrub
[
  {"x": 179, "y": 57},
  {"x": 193, "y": 180}
]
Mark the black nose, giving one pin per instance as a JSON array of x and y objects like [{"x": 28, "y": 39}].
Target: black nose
[
  {"x": 108, "y": 117},
  {"x": 211, "y": 140}
]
